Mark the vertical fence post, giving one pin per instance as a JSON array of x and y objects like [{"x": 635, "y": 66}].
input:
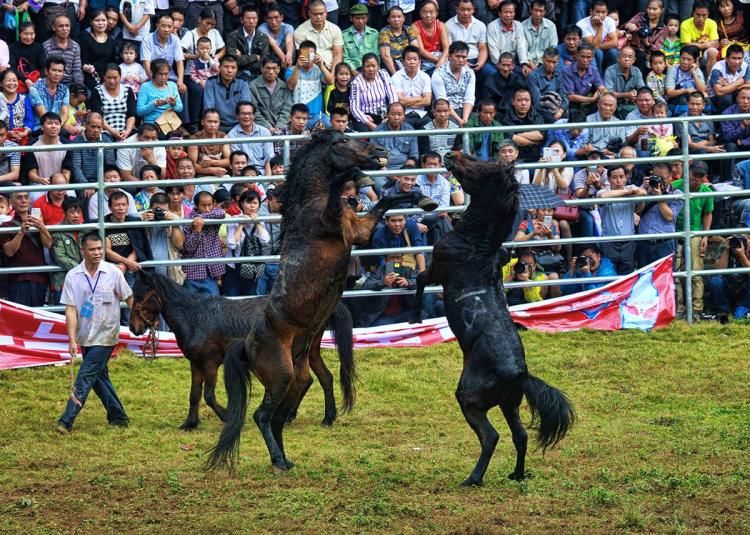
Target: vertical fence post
[
  {"x": 287, "y": 153},
  {"x": 100, "y": 190},
  {"x": 687, "y": 248}
]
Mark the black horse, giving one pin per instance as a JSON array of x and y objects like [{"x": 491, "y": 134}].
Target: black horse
[
  {"x": 204, "y": 327},
  {"x": 319, "y": 231},
  {"x": 466, "y": 263}
]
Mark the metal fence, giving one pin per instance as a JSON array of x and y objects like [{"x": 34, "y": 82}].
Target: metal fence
[{"x": 688, "y": 273}]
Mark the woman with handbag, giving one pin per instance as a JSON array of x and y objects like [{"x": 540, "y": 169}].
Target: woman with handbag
[
  {"x": 159, "y": 98},
  {"x": 731, "y": 27},
  {"x": 27, "y": 57},
  {"x": 245, "y": 239},
  {"x": 16, "y": 109},
  {"x": 371, "y": 93}
]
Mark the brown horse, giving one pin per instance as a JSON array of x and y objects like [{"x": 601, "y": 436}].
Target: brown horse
[
  {"x": 319, "y": 232},
  {"x": 204, "y": 326}
]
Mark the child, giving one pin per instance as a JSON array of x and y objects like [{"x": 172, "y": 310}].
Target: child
[
  {"x": 622, "y": 39},
  {"x": 663, "y": 133},
  {"x": 251, "y": 170},
  {"x": 174, "y": 154},
  {"x": 5, "y": 215},
  {"x": 77, "y": 110},
  {"x": 672, "y": 45},
  {"x": 655, "y": 78},
  {"x": 205, "y": 66},
  {"x": 133, "y": 73},
  {"x": 202, "y": 241}
]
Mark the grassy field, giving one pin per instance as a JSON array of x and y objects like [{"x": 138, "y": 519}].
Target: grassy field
[{"x": 661, "y": 445}]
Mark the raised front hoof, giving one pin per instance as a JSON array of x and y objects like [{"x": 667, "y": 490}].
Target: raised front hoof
[
  {"x": 415, "y": 319},
  {"x": 472, "y": 482},
  {"x": 515, "y": 476},
  {"x": 427, "y": 204},
  {"x": 189, "y": 425}
]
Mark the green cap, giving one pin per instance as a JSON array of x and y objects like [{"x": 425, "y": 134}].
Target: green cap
[{"x": 359, "y": 9}]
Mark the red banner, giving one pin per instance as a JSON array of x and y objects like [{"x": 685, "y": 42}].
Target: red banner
[{"x": 643, "y": 300}]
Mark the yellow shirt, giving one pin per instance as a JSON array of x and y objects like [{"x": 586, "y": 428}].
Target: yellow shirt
[{"x": 690, "y": 34}]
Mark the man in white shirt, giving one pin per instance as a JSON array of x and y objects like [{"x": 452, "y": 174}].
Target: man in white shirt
[
  {"x": 91, "y": 294},
  {"x": 600, "y": 31},
  {"x": 540, "y": 33},
  {"x": 506, "y": 35},
  {"x": 413, "y": 88},
  {"x": 472, "y": 31},
  {"x": 130, "y": 161},
  {"x": 259, "y": 154}
]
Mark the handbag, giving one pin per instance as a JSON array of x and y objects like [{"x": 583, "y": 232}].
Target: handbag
[
  {"x": 168, "y": 121},
  {"x": 565, "y": 212},
  {"x": 251, "y": 247},
  {"x": 31, "y": 76},
  {"x": 723, "y": 51}
]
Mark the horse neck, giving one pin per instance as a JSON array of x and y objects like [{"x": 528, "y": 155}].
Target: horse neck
[
  {"x": 176, "y": 302},
  {"x": 487, "y": 233}
]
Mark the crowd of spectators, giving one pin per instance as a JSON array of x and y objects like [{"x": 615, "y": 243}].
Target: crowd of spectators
[{"x": 145, "y": 70}]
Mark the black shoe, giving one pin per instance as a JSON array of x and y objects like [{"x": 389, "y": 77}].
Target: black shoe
[
  {"x": 723, "y": 319},
  {"x": 120, "y": 423}
]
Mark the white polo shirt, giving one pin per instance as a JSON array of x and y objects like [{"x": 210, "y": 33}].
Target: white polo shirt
[
  {"x": 473, "y": 35},
  {"x": 105, "y": 291},
  {"x": 324, "y": 40},
  {"x": 412, "y": 87}
]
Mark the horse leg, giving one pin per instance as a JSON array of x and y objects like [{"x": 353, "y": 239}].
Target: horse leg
[
  {"x": 196, "y": 388},
  {"x": 476, "y": 416},
  {"x": 209, "y": 392},
  {"x": 364, "y": 226},
  {"x": 325, "y": 377},
  {"x": 291, "y": 400},
  {"x": 510, "y": 411},
  {"x": 423, "y": 279}
]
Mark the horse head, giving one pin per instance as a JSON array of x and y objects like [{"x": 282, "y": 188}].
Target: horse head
[
  {"x": 479, "y": 177},
  {"x": 146, "y": 304},
  {"x": 345, "y": 152}
]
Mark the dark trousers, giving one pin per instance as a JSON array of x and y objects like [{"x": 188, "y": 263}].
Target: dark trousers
[
  {"x": 94, "y": 373},
  {"x": 647, "y": 251},
  {"x": 233, "y": 285},
  {"x": 31, "y": 294},
  {"x": 622, "y": 255},
  {"x": 721, "y": 300}
]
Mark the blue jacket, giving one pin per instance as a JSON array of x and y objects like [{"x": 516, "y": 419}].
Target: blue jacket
[
  {"x": 606, "y": 269},
  {"x": 225, "y": 99}
]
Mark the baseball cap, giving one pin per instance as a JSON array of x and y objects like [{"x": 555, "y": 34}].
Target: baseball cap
[{"x": 699, "y": 167}]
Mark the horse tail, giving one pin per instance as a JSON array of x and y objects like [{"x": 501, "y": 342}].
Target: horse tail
[
  {"x": 342, "y": 326},
  {"x": 237, "y": 382},
  {"x": 551, "y": 411}
]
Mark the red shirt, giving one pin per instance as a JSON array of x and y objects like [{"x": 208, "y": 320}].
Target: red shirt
[{"x": 51, "y": 213}]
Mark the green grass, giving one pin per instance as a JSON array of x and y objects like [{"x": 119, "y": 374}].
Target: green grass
[{"x": 661, "y": 445}]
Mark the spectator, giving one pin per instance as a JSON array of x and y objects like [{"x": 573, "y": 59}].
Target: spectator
[
  {"x": 647, "y": 32},
  {"x": 339, "y": 93},
  {"x": 143, "y": 197},
  {"x": 199, "y": 71},
  {"x": 113, "y": 28},
  {"x": 340, "y": 120},
  {"x": 174, "y": 154},
  {"x": 245, "y": 239},
  {"x": 455, "y": 82},
  {"x": 206, "y": 27},
  {"x": 51, "y": 202},
  {"x": 437, "y": 188},
  {"x": 48, "y": 94},
  {"x": 575, "y": 140},
  {"x": 656, "y": 79},
  {"x": 225, "y": 91},
  {"x": 186, "y": 171},
  {"x": 413, "y": 88},
  {"x": 399, "y": 149},
  {"x": 247, "y": 45},
  {"x": 523, "y": 269},
  {"x": 130, "y": 161},
  {"x": 568, "y": 49},
  {"x": 371, "y": 94},
  {"x": 179, "y": 206},
  {"x": 116, "y": 104},
  {"x": 728, "y": 77},
  {"x": 165, "y": 242},
  {"x": 623, "y": 81},
  {"x": 586, "y": 184},
  {"x": 484, "y": 146},
  {"x": 672, "y": 45},
  {"x": 582, "y": 82},
  {"x": 736, "y": 134},
  {"x": 657, "y": 218},
  {"x": 271, "y": 96},
  {"x": 618, "y": 220},
  {"x": 296, "y": 126},
  {"x": 508, "y": 154},
  {"x": 27, "y": 55},
  {"x": 259, "y": 154},
  {"x": 607, "y": 139},
  {"x": 537, "y": 227},
  {"x": 62, "y": 46},
  {"x": 273, "y": 246},
  {"x": 238, "y": 160},
  {"x": 25, "y": 249},
  {"x": 306, "y": 81},
  {"x": 432, "y": 37},
  {"x": 111, "y": 176},
  {"x": 202, "y": 241},
  {"x": 280, "y": 35},
  {"x": 702, "y": 33},
  {"x": 97, "y": 50},
  {"x": 394, "y": 38},
  {"x": 376, "y": 311},
  {"x": 547, "y": 76},
  {"x": 467, "y": 29},
  {"x": 683, "y": 79},
  {"x": 701, "y": 217},
  {"x": 90, "y": 316},
  {"x": 136, "y": 21},
  {"x": 634, "y": 174},
  {"x": 10, "y": 162},
  {"x": 159, "y": 95},
  {"x": 644, "y": 109},
  {"x": 440, "y": 143},
  {"x": 540, "y": 34},
  {"x": 39, "y": 166},
  {"x": 84, "y": 161},
  {"x": 600, "y": 31},
  {"x": 407, "y": 183},
  {"x": 521, "y": 113},
  {"x": 731, "y": 291},
  {"x": 400, "y": 232},
  {"x": 505, "y": 34},
  {"x": 501, "y": 86},
  {"x": 359, "y": 39},
  {"x": 210, "y": 159},
  {"x": 594, "y": 265},
  {"x": 701, "y": 134},
  {"x": 163, "y": 44},
  {"x": 326, "y": 36},
  {"x": 66, "y": 246}
]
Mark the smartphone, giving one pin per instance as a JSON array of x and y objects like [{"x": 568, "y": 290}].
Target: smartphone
[
  {"x": 548, "y": 221},
  {"x": 549, "y": 153},
  {"x": 36, "y": 213},
  {"x": 392, "y": 267},
  {"x": 311, "y": 56},
  {"x": 591, "y": 169}
]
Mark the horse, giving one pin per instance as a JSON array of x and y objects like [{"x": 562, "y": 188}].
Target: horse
[
  {"x": 319, "y": 231},
  {"x": 204, "y": 326},
  {"x": 466, "y": 263}
]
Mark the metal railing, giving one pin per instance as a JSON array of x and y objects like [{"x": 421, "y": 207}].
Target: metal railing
[{"x": 688, "y": 273}]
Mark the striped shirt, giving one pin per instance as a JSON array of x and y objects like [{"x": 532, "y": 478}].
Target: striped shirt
[
  {"x": 204, "y": 244},
  {"x": 371, "y": 97},
  {"x": 71, "y": 55}
]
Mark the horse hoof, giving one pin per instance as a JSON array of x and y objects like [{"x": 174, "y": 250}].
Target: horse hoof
[
  {"x": 327, "y": 422},
  {"x": 280, "y": 469},
  {"x": 289, "y": 464},
  {"x": 290, "y": 418},
  {"x": 471, "y": 482},
  {"x": 515, "y": 477},
  {"x": 189, "y": 426}
]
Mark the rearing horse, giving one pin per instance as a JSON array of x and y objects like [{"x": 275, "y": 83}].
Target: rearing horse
[{"x": 319, "y": 232}]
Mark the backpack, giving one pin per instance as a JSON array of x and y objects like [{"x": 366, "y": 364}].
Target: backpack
[{"x": 251, "y": 247}]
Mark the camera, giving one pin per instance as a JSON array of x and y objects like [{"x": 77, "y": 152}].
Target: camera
[
  {"x": 735, "y": 242},
  {"x": 520, "y": 267},
  {"x": 655, "y": 181},
  {"x": 583, "y": 261},
  {"x": 159, "y": 214},
  {"x": 353, "y": 202}
]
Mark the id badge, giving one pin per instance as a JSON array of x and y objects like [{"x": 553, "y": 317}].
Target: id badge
[{"x": 87, "y": 309}]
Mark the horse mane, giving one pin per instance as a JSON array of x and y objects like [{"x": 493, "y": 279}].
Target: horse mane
[{"x": 170, "y": 291}]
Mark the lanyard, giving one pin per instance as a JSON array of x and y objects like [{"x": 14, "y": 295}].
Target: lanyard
[{"x": 96, "y": 282}]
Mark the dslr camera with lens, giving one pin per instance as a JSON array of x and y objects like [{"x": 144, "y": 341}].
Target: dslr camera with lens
[
  {"x": 655, "y": 181},
  {"x": 159, "y": 214},
  {"x": 735, "y": 242},
  {"x": 353, "y": 202},
  {"x": 583, "y": 261},
  {"x": 520, "y": 267}
]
